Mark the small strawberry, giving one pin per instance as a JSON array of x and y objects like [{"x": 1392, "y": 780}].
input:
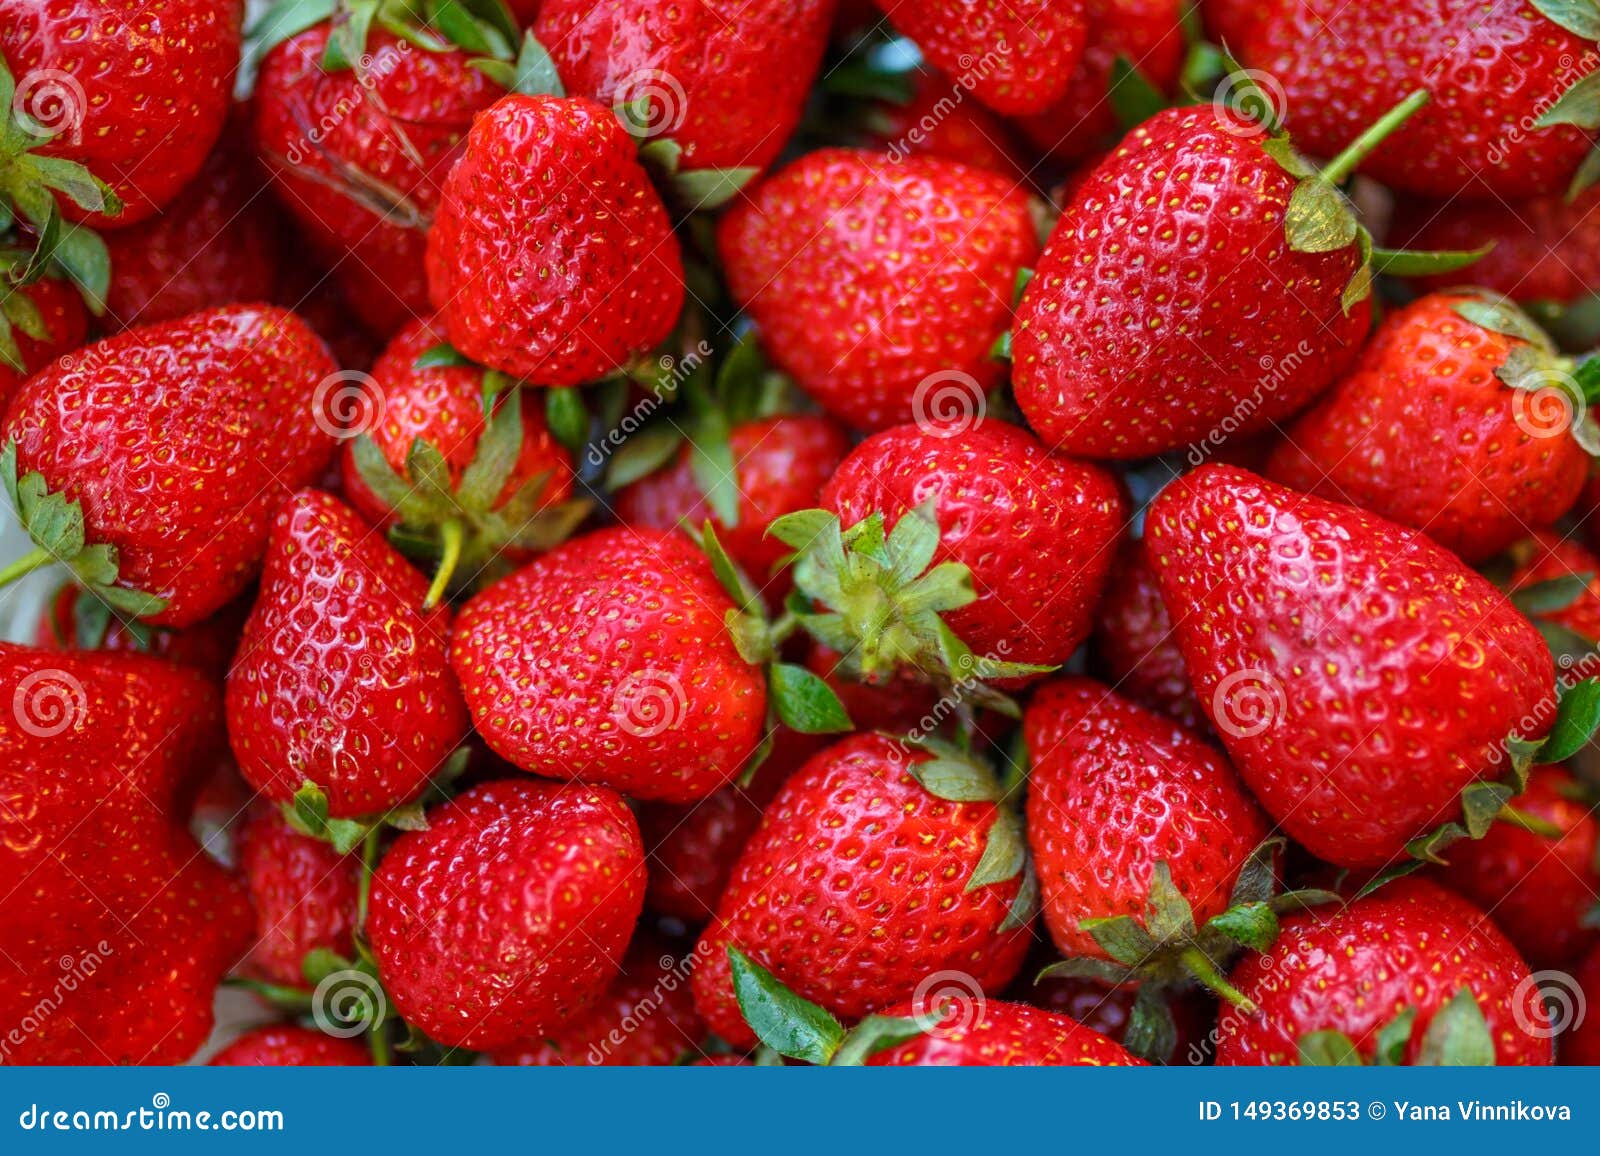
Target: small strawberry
[
  {"x": 1459, "y": 420},
  {"x": 290, "y": 1046},
  {"x": 38, "y": 323},
  {"x": 935, "y": 119},
  {"x": 550, "y": 274},
  {"x": 1359, "y": 675},
  {"x": 343, "y": 680},
  {"x": 880, "y": 286},
  {"x": 509, "y": 915},
  {"x": 150, "y": 462},
  {"x": 1135, "y": 649},
  {"x": 303, "y": 893},
  {"x": 1412, "y": 974},
  {"x": 1581, "y": 1044},
  {"x": 77, "y": 620}
]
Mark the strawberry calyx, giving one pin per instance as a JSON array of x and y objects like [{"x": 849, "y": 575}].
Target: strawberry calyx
[
  {"x": 1579, "y": 104},
  {"x": 19, "y": 313},
  {"x": 484, "y": 28},
  {"x": 1458, "y": 1036}
]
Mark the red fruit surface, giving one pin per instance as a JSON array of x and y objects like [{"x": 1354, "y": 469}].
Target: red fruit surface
[
  {"x": 1135, "y": 648},
  {"x": 1168, "y": 305},
  {"x": 881, "y": 287},
  {"x": 1581, "y": 1044},
  {"x": 65, "y": 320},
  {"x": 607, "y": 660},
  {"x": 179, "y": 440},
  {"x": 1552, "y": 558},
  {"x": 206, "y": 646},
  {"x": 1228, "y": 21},
  {"x": 291, "y": 1046},
  {"x": 123, "y": 929},
  {"x": 941, "y": 120},
  {"x": 1426, "y": 435},
  {"x": 995, "y": 1034},
  {"x": 303, "y": 893},
  {"x": 1108, "y": 1010},
  {"x": 342, "y": 678},
  {"x": 1359, "y": 675},
  {"x": 1038, "y": 532},
  {"x": 1411, "y": 944},
  {"x": 509, "y": 916},
  {"x": 550, "y": 275},
  {"x": 853, "y": 891}
]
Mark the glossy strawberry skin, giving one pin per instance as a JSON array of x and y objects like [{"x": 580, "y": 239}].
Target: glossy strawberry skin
[
  {"x": 1359, "y": 675},
  {"x": 510, "y": 915},
  {"x": 65, "y": 320},
  {"x": 1411, "y": 944},
  {"x": 1003, "y": 1035},
  {"x": 1115, "y": 789},
  {"x": 1537, "y": 889},
  {"x": 869, "y": 277},
  {"x": 1424, "y": 434},
  {"x": 290, "y": 1046},
  {"x": 1038, "y": 532},
  {"x": 366, "y": 188},
  {"x": 1135, "y": 649},
  {"x": 607, "y": 660},
  {"x": 98, "y": 756},
  {"x": 729, "y": 80},
  {"x": 155, "y": 81},
  {"x": 1136, "y": 335},
  {"x": 303, "y": 893},
  {"x": 179, "y": 440},
  {"x": 852, "y": 891},
  {"x": 1581, "y": 1044},
  {"x": 550, "y": 277}
]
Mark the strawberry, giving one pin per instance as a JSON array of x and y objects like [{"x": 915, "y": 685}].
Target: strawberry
[
  {"x": 645, "y": 1019},
  {"x": 896, "y": 702},
  {"x": 303, "y": 893},
  {"x": 1581, "y": 1044},
  {"x": 1454, "y": 422},
  {"x": 76, "y": 620},
  {"x": 1411, "y": 974},
  {"x": 509, "y": 915},
  {"x": 120, "y": 908},
  {"x": 290, "y": 1046},
  {"x": 878, "y": 285},
  {"x": 1359, "y": 675},
  {"x": 1003, "y": 1035},
  {"x": 1555, "y": 565},
  {"x": 861, "y": 882},
  {"x": 38, "y": 323},
  {"x": 151, "y": 462},
  {"x": 1113, "y": 1011},
  {"x": 935, "y": 119},
  {"x": 1135, "y": 649},
  {"x": 342, "y": 680},
  {"x": 1490, "y": 134},
  {"x": 1539, "y": 886},
  {"x": 556, "y": 276},
  {"x": 1017, "y": 57},
  {"x": 1228, "y": 21}
]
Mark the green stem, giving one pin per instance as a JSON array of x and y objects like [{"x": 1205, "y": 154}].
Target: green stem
[
  {"x": 1531, "y": 823},
  {"x": 453, "y": 533},
  {"x": 282, "y": 996},
  {"x": 1359, "y": 149},
  {"x": 369, "y": 863},
  {"x": 378, "y": 1043},
  {"x": 26, "y": 564},
  {"x": 1203, "y": 970}
]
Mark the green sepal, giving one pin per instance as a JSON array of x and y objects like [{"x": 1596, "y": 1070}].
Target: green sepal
[
  {"x": 1579, "y": 17},
  {"x": 567, "y": 418},
  {"x": 643, "y": 454},
  {"x": 786, "y": 1023},
  {"x": 878, "y": 1033},
  {"x": 1320, "y": 218},
  {"x": 804, "y": 702},
  {"x": 1393, "y": 1039},
  {"x": 1579, "y": 105},
  {"x": 1457, "y": 1036},
  {"x": 1005, "y": 851},
  {"x": 1425, "y": 262},
  {"x": 1122, "y": 938},
  {"x": 442, "y": 356},
  {"x": 1001, "y": 349},
  {"x": 710, "y": 188},
  {"x": 1020, "y": 286},
  {"x": 1551, "y": 596},
  {"x": 308, "y": 814},
  {"x": 1152, "y": 1034},
  {"x": 1134, "y": 97},
  {"x": 533, "y": 73},
  {"x": 1577, "y": 720},
  {"x": 1328, "y": 1049},
  {"x": 1588, "y": 172},
  {"x": 283, "y": 21},
  {"x": 1500, "y": 315}
]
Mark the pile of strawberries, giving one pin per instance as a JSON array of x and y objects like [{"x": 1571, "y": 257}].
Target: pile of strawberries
[{"x": 782, "y": 531}]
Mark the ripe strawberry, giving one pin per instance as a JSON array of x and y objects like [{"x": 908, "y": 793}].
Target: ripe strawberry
[
  {"x": 1552, "y": 558},
  {"x": 1538, "y": 889},
  {"x": 645, "y": 1019},
  {"x": 996, "y": 1034},
  {"x": 61, "y": 324},
  {"x": 1228, "y": 21},
  {"x": 936, "y": 120},
  {"x": 120, "y": 908},
  {"x": 342, "y": 680},
  {"x": 303, "y": 893},
  {"x": 1581, "y": 1044},
  {"x": 1135, "y": 648},
  {"x": 1359, "y": 675},
  {"x": 550, "y": 275},
  {"x": 509, "y": 915},
  {"x": 290, "y": 1046},
  {"x": 76, "y": 620},
  {"x": 1112, "y": 1011},
  {"x": 877, "y": 285},
  {"x": 608, "y": 661},
  {"x": 1448, "y": 425},
  {"x": 1490, "y": 69},
  {"x": 1384, "y": 978},
  {"x": 177, "y": 440},
  {"x": 861, "y": 882},
  {"x": 1018, "y": 56}
]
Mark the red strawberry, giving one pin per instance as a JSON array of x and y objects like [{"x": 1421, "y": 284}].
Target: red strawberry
[
  {"x": 1387, "y": 975},
  {"x": 62, "y": 325},
  {"x": 1448, "y": 425},
  {"x": 1018, "y": 56},
  {"x": 1552, "y": 558},
  {"x": 645, "y": 1019},
  {"x": 608, "y": 661},
  {"x": 289, "y": 1046},
  {"x": 1134, "y": 644},
  {"x": 995, "y": 1034},
  {"x": 177, "y": 440},
  {"x": 1581, "y": 1044},
  {"x": 303, "y": 892},
  {"x": 859, "y": 885},
  {"x": 1494, "y": 72},
  {"x": 880, "y": 285},
  {"x": 1359, "y": 675},
  {"x": 342, "y": 680},
  {"x": 1110, "y": 1010},
  {"x": 509, "y": 915},
  {"x": 550, "y": 275},
  {"x": 896, "y": 702},
  {"x": 119, "y": 907},
  {"x": 937, "y": 120},
  {"x": 76, "y": 620},
  {"x": 1539, "y": 890},
  {"x": 1228, "y": 21}
]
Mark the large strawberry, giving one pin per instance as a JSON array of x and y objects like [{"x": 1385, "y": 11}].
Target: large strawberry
[
  {"x": 1459, "y": 420},
  {"x": 342, "y": 679},
  {"x": 290, "y": 1046},
  {"x": 865, "y": 878},
  {"x": 150, "y": 462},
  {"x": 510, "y": 914},
  {"x": 1360, "y": 676},
  {"x": 304, "y": 894},
  {"x": 545, "y": 266},
  {"x": 880, "y": 286},
  {"x": 112, "y": 918},
  {"x": 1135, "y": 649},
  {"x": 1412, "y": 974},
  {"x": 38, "y": 323}
]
